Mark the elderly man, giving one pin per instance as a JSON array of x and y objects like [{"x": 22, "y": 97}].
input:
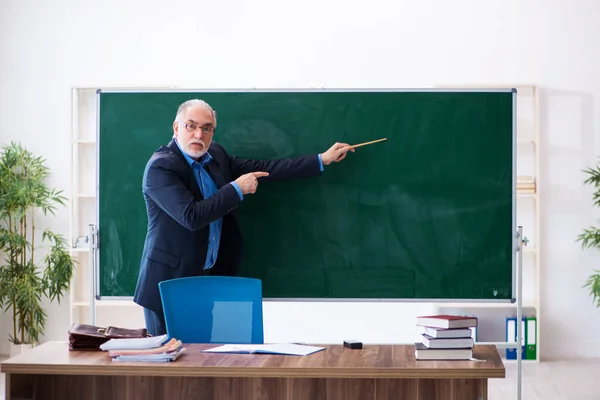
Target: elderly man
[{"x": 191, "y": 188}]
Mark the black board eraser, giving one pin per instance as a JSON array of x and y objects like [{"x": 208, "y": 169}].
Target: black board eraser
[{"x": 353, "y": 344}]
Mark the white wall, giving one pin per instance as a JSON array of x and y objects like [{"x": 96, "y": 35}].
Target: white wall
[{"x": 48, "y": 47}]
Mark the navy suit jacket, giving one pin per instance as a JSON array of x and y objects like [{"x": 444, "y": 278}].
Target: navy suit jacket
[{"x": 178, "y": 216}]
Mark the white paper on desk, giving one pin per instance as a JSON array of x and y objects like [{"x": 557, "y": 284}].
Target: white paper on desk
[
  {"x": 134, "y": 343},
  {"x": 277, "y": 348}
]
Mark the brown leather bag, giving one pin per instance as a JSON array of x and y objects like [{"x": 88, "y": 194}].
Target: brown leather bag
[{"x": 89, "y": 337}]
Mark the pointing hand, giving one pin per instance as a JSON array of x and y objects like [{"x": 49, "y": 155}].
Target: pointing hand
[{"x": 249, "y": 182}]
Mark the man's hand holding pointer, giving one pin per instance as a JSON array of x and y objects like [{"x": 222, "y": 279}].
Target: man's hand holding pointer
[{"x": 336, "y": 153}]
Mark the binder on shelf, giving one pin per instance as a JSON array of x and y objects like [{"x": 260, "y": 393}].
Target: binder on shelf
[
  {"x": 511, "y": 336},
  {"x": 531, "y": 347}
]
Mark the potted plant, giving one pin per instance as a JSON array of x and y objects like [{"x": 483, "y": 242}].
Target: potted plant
[
  {"x": 34, "y": 264},
  {"x": 590, "y": 237}
]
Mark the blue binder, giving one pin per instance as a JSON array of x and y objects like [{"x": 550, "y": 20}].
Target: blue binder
[{"x": 511, "y": 336}]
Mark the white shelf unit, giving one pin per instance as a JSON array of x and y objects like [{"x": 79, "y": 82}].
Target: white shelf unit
[
  {"x": 527, "y": 215},
  {"x": 123, "y": 313},
  {"x": 83, "y": 183}
]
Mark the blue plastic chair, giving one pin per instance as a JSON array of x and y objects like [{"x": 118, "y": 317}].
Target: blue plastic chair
[{"x": 213, "y": 309}]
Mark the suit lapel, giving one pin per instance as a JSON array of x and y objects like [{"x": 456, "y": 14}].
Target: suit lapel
[
  {"x": 213, "y": 170},
  {"x": 192, "y": 184}
]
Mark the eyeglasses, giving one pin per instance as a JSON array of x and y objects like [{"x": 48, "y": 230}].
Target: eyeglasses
[{"x": 193, "y": 127}]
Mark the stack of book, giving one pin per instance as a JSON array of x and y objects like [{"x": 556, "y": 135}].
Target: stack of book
[
  {"x": 154, "y": 349},
  {"x": 446, "y": 337},
  {"x": 525, "y": 184}
]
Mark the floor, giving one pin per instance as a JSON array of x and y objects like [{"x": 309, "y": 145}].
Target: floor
[{"x": 548, "y": 380}]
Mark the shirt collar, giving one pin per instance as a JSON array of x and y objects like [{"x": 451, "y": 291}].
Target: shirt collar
[{"x": 205, "y": 159}]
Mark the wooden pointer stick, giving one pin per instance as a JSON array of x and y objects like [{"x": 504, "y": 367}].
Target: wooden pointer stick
[{"x": 366, "y": 143}]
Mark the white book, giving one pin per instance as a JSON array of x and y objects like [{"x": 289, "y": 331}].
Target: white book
[
  {"x": 423, "y": 353},
  {"x": 134, "y": 344},
  {"x": 447, "y": 333},
  {"x": 449, "y": 343}
]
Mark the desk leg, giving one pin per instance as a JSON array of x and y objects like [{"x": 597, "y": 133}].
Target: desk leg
[{"x": 19, "y": 387}]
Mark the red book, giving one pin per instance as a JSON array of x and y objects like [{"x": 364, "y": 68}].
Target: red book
[{"x": 447, "y": 321}]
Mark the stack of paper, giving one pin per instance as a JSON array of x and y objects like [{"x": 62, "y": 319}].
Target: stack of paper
[{"x": 156, "y": 349}]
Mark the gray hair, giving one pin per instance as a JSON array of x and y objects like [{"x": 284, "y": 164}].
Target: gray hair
[{"x": 192, "y": 103}]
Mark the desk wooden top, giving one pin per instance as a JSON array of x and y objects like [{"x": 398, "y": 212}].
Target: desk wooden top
[{"x": 373, "y": 361}]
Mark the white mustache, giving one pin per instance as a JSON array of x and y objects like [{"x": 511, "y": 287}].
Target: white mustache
[{"x": 197, "y": 142}]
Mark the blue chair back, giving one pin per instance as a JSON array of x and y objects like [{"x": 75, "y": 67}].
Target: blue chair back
[{"x": 213, "y": 309}]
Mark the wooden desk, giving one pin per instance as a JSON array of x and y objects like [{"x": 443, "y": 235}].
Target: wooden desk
[{"x": 51, "y": 371}]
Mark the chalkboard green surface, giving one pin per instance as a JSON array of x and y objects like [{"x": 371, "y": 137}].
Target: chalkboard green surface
[{"x": 427, "y": 214}]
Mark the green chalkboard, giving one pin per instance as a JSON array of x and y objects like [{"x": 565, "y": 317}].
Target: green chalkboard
[{"x": 428, "y": 214}]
